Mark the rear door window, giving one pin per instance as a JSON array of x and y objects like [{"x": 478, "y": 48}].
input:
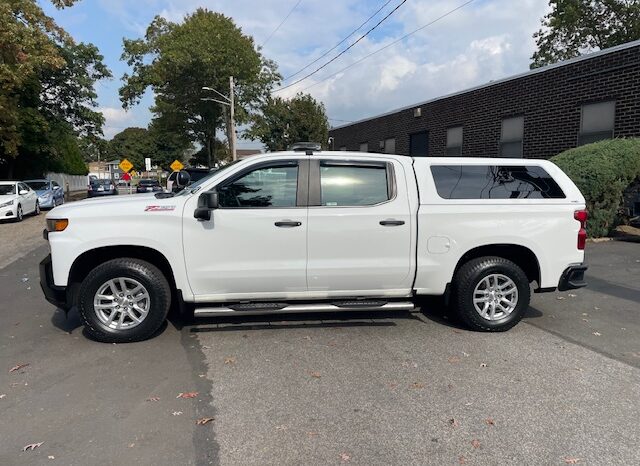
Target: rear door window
[
  {"x": 494, "y": 182},
  {"x": 345, "y": 184}
]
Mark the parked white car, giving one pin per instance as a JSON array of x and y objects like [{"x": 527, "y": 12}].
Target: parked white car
[
  {"x": 17, "y": 199},
  {"x": 321, "y": 231}
]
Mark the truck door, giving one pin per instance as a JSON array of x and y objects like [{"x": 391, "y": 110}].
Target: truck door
[
  {"x": 255, "y": 244},
  {"x": 359, "y": 228}
]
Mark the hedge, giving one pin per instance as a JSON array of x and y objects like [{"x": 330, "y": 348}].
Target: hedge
[{"x": 602, "y": 171}]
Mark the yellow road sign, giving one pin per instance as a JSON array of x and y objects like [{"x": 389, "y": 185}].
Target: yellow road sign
[
  {"x": 133, "y": 173},
  {"x": 176, "y": 166},
  {"x": 125, "y": 165}
]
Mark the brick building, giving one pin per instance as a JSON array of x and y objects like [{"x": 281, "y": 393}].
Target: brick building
[{"x": 535, "y": 114}]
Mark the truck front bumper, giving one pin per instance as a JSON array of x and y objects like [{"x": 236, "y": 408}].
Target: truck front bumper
[
  {"x": 56, "y": 295},
  {"x": 572, "y": 278}
]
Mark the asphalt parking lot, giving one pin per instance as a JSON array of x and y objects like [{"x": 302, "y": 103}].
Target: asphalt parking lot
[{"x": 563, "y": 387}]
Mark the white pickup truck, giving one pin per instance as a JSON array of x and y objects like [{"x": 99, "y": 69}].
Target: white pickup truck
[{"x": 315, "y": 231}]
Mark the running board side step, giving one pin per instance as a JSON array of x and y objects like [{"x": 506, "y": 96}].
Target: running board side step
[{"x": 284, "y": 308}]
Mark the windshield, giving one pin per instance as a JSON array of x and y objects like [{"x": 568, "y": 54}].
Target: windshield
[
  {"x": 147, "y": 182},
  {"x": 38, "y": 185},
  {"x": 7, "y": 189},
  {"x": 196, "y": 185},
  {"x": 101, "y": 182}
]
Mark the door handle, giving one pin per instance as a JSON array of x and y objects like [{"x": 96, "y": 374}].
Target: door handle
[
  {"x": 391, "y": 223},
  {"x": 287, "y": 224}
]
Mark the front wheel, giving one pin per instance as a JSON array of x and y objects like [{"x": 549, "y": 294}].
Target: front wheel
[
  {"x": 491, "y": 294},
  {"x": 36, "y": 211},
  {"x": 124, "y": 300},
  {"x": 19, "y": 214}
]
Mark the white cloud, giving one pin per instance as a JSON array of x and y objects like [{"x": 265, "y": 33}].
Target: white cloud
[
  {"x": 483, "y": 41},
  {"x": 116, "y": 119}
]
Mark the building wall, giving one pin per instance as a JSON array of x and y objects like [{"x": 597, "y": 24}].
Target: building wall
[{"x": 550, "y": 102}]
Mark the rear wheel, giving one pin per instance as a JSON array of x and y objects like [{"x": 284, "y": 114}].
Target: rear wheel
[
  {"x": 491, "y": 294},
  {"x": 124, "y": 300}
]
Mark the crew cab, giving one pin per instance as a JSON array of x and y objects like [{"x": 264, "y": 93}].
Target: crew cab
[{"x": 316, "y": 231}]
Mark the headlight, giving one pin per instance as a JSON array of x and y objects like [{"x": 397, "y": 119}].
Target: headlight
[
  {"x": 57, "y": 224},
  {"x": 6, "y": 204}
]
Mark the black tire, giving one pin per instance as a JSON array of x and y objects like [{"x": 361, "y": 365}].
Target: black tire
[
  {"x": 19, "y": 214},
  {"x": 146, "y": 274},
  {"x": 470, "y": 275},
  {"x": 36, "y": 211}
]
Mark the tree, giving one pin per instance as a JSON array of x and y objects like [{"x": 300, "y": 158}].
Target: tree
[
  {"x": 134, "y": 144},
  {"x": 573, "y": 27},
  {"x": 47, "y": 93},
  {"x": 283, "y": 122},
  {"x": 178, "y": 60}
]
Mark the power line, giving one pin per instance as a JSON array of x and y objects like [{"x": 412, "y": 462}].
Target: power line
[
  {"x": 281, "y": 23},
  {"x": 388, "y": 45},
  {"x": 344, "y": 51},
  {"x": 339, "y": 43}
]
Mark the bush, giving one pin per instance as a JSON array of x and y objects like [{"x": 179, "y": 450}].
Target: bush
[{"x": 602, "y": 171}]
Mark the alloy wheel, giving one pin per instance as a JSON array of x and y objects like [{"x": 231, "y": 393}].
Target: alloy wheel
[
  {"x": 495, "y": 297},
  {"x": 121, "y": 303}
]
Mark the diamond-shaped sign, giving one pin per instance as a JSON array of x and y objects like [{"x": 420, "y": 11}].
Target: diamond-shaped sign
[
  {"x": 176, "y": 166},
  {"x": 125, "y": 165}
]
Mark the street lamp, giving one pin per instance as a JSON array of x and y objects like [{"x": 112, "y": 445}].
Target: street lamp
[{"x": 230, "y": 102}]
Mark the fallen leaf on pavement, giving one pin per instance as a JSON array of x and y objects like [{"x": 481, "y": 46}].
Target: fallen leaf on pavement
[
  {"x": 131, "y": 445},
  {"x": 312, "y": 434},
  {"x": 453, "y": 422},
  {"x": 229, "y": 360},
  {"x": 2, "y": 396},
  {"x": 417, "y": 385},
  {"x": 315, "y": 374},
  {"x": 490, "y": 422},
  {"x": 572, "y": 460},
  {"x": 462, "y": 460},
  {"x": 187, "y": 395},
  {"x": 32, "y": 446},
  {"x": 18, "y": 367},
  {"x": 154, "y": 398},
  {"x": 345, "y": 457},
  {"x": 475, "y": 443},
  {"x": 204, "y": 420},
  {"x": 597, "y": 334},
  {"x": 454, "y": 359},
  {"x": 176, "y": 413},
  {"x": 560, "y": 297},
  {"x": 307, "y": 338},
  {"x": 571, "y": 295},
  {"x": 51, "y": 457}
]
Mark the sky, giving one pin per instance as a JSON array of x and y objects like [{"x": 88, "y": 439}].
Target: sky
[{"x": 483, "y": 41}]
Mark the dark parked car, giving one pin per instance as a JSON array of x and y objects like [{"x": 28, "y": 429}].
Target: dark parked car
[
  {"x": 101, "y": 188},
  {"x": 148, "y": 185}
]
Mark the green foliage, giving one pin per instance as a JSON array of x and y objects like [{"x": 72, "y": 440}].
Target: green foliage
[
  {"x": 602, "y": 171},
  {"x": 283, "y": 122},
  {"x": 575, "y": 26},
  {"x": 135, "y": 144},
  {"x": 46, "y": 90},
  {"x": 177, "y": 59}
]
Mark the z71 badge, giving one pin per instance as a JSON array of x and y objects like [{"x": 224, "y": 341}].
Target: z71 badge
[{"x": 158, "y": 208}]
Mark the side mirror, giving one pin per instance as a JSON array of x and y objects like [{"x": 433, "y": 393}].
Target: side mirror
[
  {"x": 55, "y": 188},
  {"x": 23, "y": 192},
  {"x": 207, "y": 202},
  {"x": 182, "y": 178}
]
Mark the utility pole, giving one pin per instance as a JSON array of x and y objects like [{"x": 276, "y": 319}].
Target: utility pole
[
  {"x": 230, "y": 101},
  {"x": 232, "y": 136}
]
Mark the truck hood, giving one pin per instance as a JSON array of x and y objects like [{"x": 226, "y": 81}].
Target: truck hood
[{"x": 119, "y": 206}]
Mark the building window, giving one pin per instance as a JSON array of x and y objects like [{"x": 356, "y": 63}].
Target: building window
[
  {"x": 597, "y": 122},
  {"x": 454, "y": 141},
  {"x": 390, "y": 146},
  {"x": 419, "y": 144},
  {"x": 511, "y": 137},
  {"x": 364, "y": 147},
  {"x": 343, "y": 148}
]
